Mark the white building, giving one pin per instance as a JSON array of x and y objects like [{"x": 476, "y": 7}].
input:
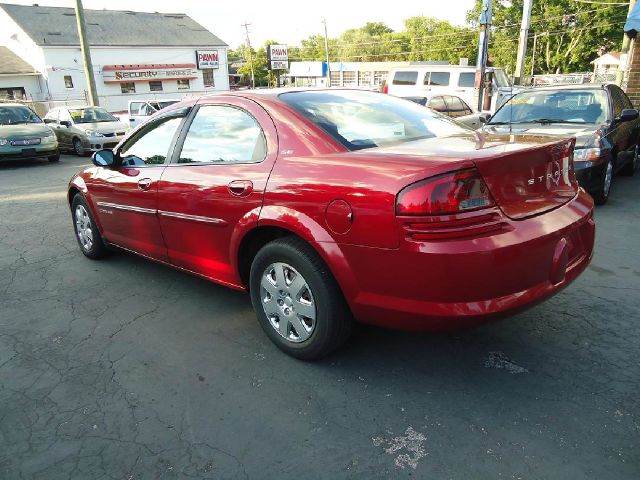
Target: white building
[{"x": 135, "y": 55}]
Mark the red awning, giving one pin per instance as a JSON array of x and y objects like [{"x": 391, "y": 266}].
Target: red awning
[{"x": 154, "y": 66}]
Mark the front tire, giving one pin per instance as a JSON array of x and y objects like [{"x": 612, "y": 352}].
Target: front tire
[
  {"x": 631, "y": 167},
  {"x": 78, "y": 149},
  {"x": 601, "y": 196},
  {"x": 54, "y": 158},
  {"x": 87, "y": 234},
  {"x": 297, "y": 301}
]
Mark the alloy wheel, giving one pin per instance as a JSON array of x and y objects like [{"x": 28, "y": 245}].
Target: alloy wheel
[
  {"x": 288, "y": 302},
  {"x": 83, "y": 227},
  {"x": 77, "y": 147}
]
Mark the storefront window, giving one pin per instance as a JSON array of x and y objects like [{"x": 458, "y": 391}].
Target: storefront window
[
  {"x": 183, "y": 84},
  {"x": 129, "y": 87},
  {"x": 207, "y": 77},
  {"x": 155, "y": 86},
  {"x": 68, "y": 81}
]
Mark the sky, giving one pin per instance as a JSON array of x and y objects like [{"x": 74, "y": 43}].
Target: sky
[{"x": 286, "y": 22}]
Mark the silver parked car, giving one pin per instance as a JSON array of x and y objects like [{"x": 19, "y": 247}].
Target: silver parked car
[{"x": 85, "y": 129}]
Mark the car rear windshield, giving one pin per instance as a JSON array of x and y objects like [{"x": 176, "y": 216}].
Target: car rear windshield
[
  {"x": 17, "y": 114},
  {"x": 554, "y": 106},
  {"x": 361, "y": 120},
  {"x": 91, "y": 115}
]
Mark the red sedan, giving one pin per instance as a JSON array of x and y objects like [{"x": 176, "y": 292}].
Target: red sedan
[{"x": 334, "y": 205}]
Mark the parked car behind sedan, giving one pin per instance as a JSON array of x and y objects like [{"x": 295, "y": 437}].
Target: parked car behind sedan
[
  {"x": 601, "y": 118},
  {"x": 24, "y": 135},
  {"x": 330, "y": 205},
  {"x": 449, "y": 105},
  {"x": 85, "y": 129}
]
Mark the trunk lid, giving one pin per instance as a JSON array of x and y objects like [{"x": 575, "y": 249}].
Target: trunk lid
[
  {"x": 526, "y": 174},
  {"x": 528, "y": 181}
]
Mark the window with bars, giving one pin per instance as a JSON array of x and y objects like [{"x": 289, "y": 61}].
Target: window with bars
[
  {"x": 335, "y": 79},
  {"x": 379, "y": 77},
  {"x": 349, "y": 78},
  {"x": 364, "y": 78},
  {"x": 155, "y": 86}
]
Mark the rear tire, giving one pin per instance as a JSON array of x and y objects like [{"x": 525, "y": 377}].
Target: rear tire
[
  {"x": 601, "y": 196},
  {"x": 630, "y": 168},
  {"x": 86, "y": 230},
  {"x": 297, "y": 301}
]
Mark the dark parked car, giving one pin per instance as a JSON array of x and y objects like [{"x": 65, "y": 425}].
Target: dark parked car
[{"x": 601, "y": 118}]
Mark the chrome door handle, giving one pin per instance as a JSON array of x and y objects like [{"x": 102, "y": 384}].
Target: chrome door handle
[
  {"x": 240, "y": 188},
  {"x": 144, "y": 183}
]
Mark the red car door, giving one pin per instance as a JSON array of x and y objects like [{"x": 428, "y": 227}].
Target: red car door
[
  {"x": 215, "y": 184},
  {"x": 126, "y": 197}
]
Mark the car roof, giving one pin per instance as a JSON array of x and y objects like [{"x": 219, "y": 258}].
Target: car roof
[
  {"x": 581, "y": 86},
  {"x": 12, "y": 105}
]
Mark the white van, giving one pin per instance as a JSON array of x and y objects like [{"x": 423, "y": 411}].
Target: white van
[{"x": 427, "y": 80}]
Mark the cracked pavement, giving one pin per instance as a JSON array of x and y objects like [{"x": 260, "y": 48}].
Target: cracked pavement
[{"x": 125, "y": 369}]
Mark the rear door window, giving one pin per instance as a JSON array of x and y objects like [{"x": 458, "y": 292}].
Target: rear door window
[
  {"x": 467, "y": 80},
  {"x": 405, "y": 78},
  {"x": 438, "y": 79}
]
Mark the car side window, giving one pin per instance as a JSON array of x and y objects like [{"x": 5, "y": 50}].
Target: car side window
[
  {"x": 223, "y": 134},
  {"x": 618, "y": 103},
  {"x": 151, "y": 145},
  {"x": 438, "y": 79},
  {"x": 135, "y": 108},
  {"x": 455, "y": 106},
  {"x": 467, "y": 80},
  {"x": 437, "y": 104},
  {"x": 405, "y": 78}
]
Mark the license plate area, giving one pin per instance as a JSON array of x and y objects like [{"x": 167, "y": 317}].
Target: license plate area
[{"x": 28, "y": 151}]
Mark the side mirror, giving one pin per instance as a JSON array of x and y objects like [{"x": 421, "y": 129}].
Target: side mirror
[
  {"x": 627, "y": 115},
  {"x": 103, "y": 158},
  {"x": 484, "y": 117},
  {"x": 65, "y": 123}
]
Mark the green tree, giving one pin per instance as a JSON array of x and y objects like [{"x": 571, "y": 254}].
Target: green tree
[{"x": 570, "y": 34}]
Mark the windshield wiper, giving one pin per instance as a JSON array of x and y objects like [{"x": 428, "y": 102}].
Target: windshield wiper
[
  {"x": 547, "y": 121},
  {"x": 498, "y": 123}
]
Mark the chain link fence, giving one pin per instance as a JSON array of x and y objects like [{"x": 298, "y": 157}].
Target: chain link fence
[{"x": 573, "y": 79}]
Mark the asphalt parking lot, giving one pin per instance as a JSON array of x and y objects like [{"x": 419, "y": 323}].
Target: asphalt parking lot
[{"x": 125, "y": 369}]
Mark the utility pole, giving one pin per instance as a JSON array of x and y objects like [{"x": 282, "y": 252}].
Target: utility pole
[
  {"x": 624, "y": 51},
  {"x": 253, "y": 78},
  {"x": 522, "y": 45},
  {"x": 486, "y": 16},
  {"x": 86, "y": 55},
  {"x": 326, "y": 52},
  {"x": 535, "y": 46}
]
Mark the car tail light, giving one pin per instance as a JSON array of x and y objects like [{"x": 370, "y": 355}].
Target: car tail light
[
  {"x": 386, "y": 88},
  {"x": 455, "y": 192}
]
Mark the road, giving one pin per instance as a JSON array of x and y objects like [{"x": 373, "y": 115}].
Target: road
[{"x": 126, "y": 369}]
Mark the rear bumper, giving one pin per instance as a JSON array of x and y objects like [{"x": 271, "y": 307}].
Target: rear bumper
[{"x": 451, "y": 284}]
